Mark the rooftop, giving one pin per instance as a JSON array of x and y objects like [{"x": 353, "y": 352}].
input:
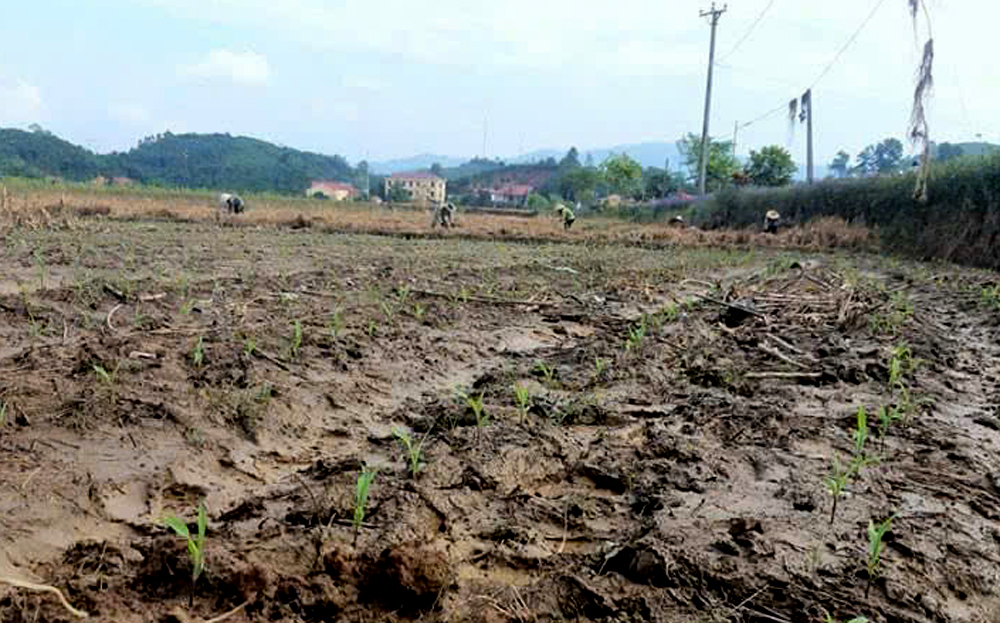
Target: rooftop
[{"x": 415, "y": 175}]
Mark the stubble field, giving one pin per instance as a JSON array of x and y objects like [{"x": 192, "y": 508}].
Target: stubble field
[{"x": 605, "y": 427}]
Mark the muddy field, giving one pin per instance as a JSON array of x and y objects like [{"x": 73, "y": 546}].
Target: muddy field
[{"x": 608, "y": 432}]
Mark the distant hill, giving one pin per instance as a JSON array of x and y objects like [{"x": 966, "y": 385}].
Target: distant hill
[
  {"x": 217, "y": 161},
  {"x": 41, "y": 153},
  {"x": 651, "y": 154},
  {"x": 414, "y": 163},
  {"x": 224, "y": 161},
  {"x": 978, "y": 149}
]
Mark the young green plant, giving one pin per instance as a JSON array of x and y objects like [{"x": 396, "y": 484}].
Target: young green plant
[
  {"x": 414, "y": 451},
  {"x": 522, "y": 395},
  {"x": 476, "y": 404},
  {"x": 364, "y": 483},
  {"x": 198, "y": 355},
  {"x": 635, "y": 335},
  {"x": 837, "y": 481},
  {"x": 547, "y": 371},
  {"x": 195, "y": 543},
  {"x": 876, "y": 533},
  {"x": 296, "y": 342}
]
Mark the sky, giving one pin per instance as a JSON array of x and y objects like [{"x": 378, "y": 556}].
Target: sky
[{"x": 381, "y": 79}]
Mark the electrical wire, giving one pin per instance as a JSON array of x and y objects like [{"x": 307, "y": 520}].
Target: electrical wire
[
  {"x": 850, "y": 41},
  {"x": 826, "y": 70},
  {"x": 749, "y": 31}
]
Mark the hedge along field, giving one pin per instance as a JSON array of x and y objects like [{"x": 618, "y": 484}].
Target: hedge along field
[{"x": 959, "y": 223}]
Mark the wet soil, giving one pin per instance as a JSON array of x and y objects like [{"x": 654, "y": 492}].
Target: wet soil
[{"x": 679, "y": 413}]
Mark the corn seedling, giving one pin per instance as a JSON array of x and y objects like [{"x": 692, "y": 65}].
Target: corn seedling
[
  {"x": 419, "y": 311},
  {"x": 635, "y": 335},
  {"x": 195, "y": 544},
  {"x": 991, "y": 297},
  {"x": 600, "y": 365},
  {"x": 886, "y": 416},
  {"x": 829, "y": 619},
  {"x": 414, "y": 451},
  {"x": 365, "y": 479},
  {"x": 249, "y": 346},
  {"x": 837, "y": 481},
  {"x": 547, "y": 371},
  {"x": 388, "y": 312},
  {"x": 476, "y": 404},
  {"x": 861, "y": 434},
  {"x": 523, "y": 397},
  {"x": 372, "y": 328},
  {"x": 876, "y": 532},
  {"x": 187, "y": 307},
  {"x": 198, "y": 355},
  {"x": 336, "y": 324},
  {"x": 3, "y": 415},
  {"x": 671, "y": 312},
  {"x": 106, "y": 377},
  {"x": 296, "y": 342}
]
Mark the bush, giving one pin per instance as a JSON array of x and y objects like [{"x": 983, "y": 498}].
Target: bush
[{"x": 959, "y": 222}]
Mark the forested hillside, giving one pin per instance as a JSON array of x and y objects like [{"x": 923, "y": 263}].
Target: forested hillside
[
  {"x": 183, "y": 160},
  {"x": 40, "y": 153}
]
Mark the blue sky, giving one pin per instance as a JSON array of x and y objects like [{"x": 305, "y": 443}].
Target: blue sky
[{"x": 395, "y": 78}]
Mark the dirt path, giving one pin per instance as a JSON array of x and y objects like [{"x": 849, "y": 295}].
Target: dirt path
[{"x": 665, "y": 462}]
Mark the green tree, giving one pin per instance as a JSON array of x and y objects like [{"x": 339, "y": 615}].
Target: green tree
[
  {"x": 571, "y": 160},
  {"x": 537, "y": 202},
  {"x": 888, "y": 155},
  {"x": 578, "y": 184},
  {"x": 840, "y": 163},
  {"x": 437, "y": 169},
  {"x": 771, "y": 166},
  {"x": 721, "y": 162},
  {"x": 947, "y": 151},
  {"x": 623, "y": 175},
  {"x": 660, "y": 183},
  {"x": 398, "y": 194},
  {"x": 865, "y": 162},
  {"x": 880, "y": 159}
]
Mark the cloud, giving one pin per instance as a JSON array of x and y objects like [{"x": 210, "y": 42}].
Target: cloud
[
  {"x": 129, "y": 113},
  {"x": 20, "y": 102},
  {"x": 242, "y": 68}
]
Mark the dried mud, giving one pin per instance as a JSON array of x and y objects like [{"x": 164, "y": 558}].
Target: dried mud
[{"x": 669, "y": 465}]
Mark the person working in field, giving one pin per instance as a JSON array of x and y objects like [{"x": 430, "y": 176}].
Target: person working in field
[
  {"x": 444, "y": 215},
  {"x": 567, "y": 215},
  {"x": 771, "y": 222}
]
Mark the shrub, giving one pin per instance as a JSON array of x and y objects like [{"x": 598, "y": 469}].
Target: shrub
[{"x": 958, "y": 223}]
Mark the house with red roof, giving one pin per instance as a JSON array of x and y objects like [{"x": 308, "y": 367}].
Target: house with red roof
[
  {"x": 510, "y": 194},
  {"x": 338, "y": 191}
]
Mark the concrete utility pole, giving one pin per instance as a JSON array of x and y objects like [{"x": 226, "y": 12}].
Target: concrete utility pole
[
  {"x": 715, "y": 14},
  {"x": 736, "y": 130}
]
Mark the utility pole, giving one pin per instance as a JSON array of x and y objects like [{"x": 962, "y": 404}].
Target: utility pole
[
  {"x": 736, "y": 130},
  {"x": 485, "y": 125},
  {"x": 715, "y": 14},
  {"x": 807, "y": 110},
  {"x": 368, "y": 189}
]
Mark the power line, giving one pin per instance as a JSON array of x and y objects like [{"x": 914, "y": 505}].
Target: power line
[
  {"x": 749, "y": 31},
  {"x": 826, "y": 69},
  {"x": 850, "y": 41}
]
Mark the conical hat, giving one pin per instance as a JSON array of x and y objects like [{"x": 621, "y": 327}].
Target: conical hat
[{"x": 772, "y": 215}]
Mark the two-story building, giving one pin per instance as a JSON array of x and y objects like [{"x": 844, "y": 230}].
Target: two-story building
[{"x": 423, "y": 186}]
